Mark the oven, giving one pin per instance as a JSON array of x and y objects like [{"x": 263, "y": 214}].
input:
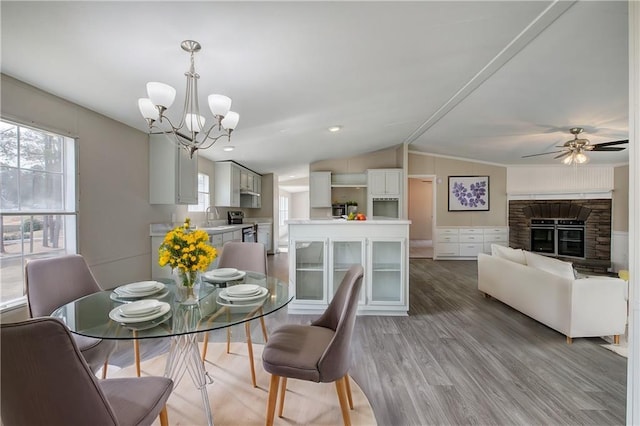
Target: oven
[
  {"x": 543, "y": 236},
  {"x": 570, "y": 234},
  {"x": 558, "y": 237},
  {"x": 249, "y": 234}
]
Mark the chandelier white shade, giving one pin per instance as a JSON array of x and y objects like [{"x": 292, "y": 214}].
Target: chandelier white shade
[{"x": 190, "y": 132}]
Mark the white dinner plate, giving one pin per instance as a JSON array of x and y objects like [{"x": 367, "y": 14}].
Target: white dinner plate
[
  {"x": 141, "y": 286},
  {"x": 224, "y": 272},
  {"x": 116, "y": 314},
  {"x": 123, "y": 290},
  {"x": 140, "y": 308},
  {"x": 218, "y": 279},
  {"x": 224, "y": 295},
  {"x": 240, "y": 290},
  {"x": 132, "y": 298}
]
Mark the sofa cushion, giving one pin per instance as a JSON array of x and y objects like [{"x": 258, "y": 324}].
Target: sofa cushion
[
  {"x": 508, "y": 253},
  {"x": 551, "y": 265}
]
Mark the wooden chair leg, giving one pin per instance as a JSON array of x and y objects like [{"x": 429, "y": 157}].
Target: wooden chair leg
[
  {"x": 283, "y": 390},
  {"x": 136, "y": 355},
  {"x": 164, "y": 417},
  {"x": 569, "y": 340},
  {"x": 204, "y": 346},
  {"x": 342, "y": 397},
  {"x": 348, "y": 386},
  {"x": 271, "y": 402},
  {"x": 104, "y": 368},
  {"x": 616, "y": 339},
  {"x": 228, "y": 333},
  {"x": 247, "y": 328}
]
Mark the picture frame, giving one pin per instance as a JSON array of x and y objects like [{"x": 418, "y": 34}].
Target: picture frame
[{"x": 468, "y": 193}]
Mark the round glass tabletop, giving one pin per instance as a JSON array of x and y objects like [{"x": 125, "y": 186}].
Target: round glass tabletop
[{"x": 171, "y": 311}]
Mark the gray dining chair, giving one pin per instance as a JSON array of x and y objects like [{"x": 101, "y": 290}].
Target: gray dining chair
[
  {"x": 56, "y": 281},
  {"x": 319, "y": 352},
  {"x": 46, "y": 381},
  {"x": 244, "y": 256}
]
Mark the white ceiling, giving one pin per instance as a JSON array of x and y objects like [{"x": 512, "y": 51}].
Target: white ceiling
[{"x": 489, "y": 81}]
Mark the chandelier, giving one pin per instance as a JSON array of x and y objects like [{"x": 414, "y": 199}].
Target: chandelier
[{"x": 190, "y": 132}]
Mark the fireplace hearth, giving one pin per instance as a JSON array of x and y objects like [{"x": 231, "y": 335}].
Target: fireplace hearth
[{"x": 578, "y": 231}]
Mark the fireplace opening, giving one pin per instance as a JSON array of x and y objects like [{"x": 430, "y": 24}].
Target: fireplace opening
[{"x": 558, "y": 237}]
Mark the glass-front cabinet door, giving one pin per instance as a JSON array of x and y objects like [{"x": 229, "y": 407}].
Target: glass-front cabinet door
[
  {"x": 343, "y": 254},
  {"x": 386, "y": 266},
  {"x": 309, "y": 269}
]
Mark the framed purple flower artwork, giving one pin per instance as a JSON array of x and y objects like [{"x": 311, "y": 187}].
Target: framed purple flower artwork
[{"x": 468, "y": 193}]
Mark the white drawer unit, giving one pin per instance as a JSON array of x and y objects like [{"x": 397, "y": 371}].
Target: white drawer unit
[
  {"x": 467, "y": 242},
  {"x": 447, "y": 249},
  {"x": 447, "y": 235},
  {"x": 471, "y": 250},
  {"x": 471, "y": 238}
]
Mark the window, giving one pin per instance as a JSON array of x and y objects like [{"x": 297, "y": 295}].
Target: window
[
  {"x": 284, "y": 210},
  {"x": 37, "y": 202},
  {"x": 203, "y": 194}
]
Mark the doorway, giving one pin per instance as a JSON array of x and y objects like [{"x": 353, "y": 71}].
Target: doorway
[{"x": 422, "y": 216}]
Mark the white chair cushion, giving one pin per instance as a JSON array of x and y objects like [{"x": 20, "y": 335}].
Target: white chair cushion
[
  {"x": 551, "y": 265},
  {"x": 508, "y": 253}
]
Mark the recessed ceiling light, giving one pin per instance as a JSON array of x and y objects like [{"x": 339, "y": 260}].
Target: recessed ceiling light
[
  {"x": 335, "y": 128},
  {"x": 228, "y": 148},
  {"x": 292, "y": 176}
]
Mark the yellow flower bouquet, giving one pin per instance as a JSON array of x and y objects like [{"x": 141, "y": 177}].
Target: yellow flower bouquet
[{"x": 186, "y": 251}]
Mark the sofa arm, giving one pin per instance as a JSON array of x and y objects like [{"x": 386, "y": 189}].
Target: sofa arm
[{"x": 598, "y": 306}]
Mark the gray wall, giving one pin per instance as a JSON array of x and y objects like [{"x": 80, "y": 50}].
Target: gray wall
[{"x": 114, "y": 210}]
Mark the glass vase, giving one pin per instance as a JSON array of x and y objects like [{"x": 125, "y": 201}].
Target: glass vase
[{"x": 186, "y": 282}]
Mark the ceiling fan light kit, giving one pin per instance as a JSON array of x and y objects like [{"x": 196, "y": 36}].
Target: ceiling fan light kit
[
  {"x": 573, "y": 151},
  {"x": 190, "y": 133}
]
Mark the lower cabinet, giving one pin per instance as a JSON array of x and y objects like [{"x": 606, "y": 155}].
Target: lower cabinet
[
  {"x": 318, "y": 266},
  {"x": 466, "y": 242}
]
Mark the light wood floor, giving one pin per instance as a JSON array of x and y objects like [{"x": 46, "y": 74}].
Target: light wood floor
[{"x": 459, "y": 358}]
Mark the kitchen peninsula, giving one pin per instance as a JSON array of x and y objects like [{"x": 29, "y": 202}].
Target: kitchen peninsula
[{"x": 321, "y": 251}]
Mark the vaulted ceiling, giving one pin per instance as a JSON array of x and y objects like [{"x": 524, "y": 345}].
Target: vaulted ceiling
[{"x": 489, "y": 81}]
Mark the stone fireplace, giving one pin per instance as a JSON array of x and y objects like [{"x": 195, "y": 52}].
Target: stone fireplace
[{"x": 596, "y": 213}]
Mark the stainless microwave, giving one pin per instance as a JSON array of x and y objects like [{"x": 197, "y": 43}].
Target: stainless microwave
[{"x": 338, "y": 210}]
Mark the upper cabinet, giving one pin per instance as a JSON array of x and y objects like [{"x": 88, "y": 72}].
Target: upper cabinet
[
  {"x": 320, "y": 189},
  {"x": 384, "y": 182},
  {"x": 173, "y": 173},
  {"x": 236, "y": 186}
]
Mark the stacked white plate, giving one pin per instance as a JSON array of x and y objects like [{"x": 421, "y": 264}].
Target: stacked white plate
[
  {"x": 139, "y": 311},
  {"x": 242, "y": 294},
  {"x": 222, "y": 275},
  {"x": 138, "y": 289}
]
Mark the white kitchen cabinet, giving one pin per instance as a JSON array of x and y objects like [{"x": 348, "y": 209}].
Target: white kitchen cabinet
[
  {"x": 309, "y": 269},
  {"x": 321, "y": 252},
  {"x": 467, "y": 242},
  {"x": 384, "y": 182},
  {"x": 173, "y": 173},
  {"x": 385, "y": 284},
  {"x": 235, "y": 186},
  {"x": 320, "y": 189},
  {"x": 226, "y": 184},
  {"x": 343, "y": 254}
]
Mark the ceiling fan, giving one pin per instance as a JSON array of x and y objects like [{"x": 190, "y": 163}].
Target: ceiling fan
[{"x": 573, "y": 151}]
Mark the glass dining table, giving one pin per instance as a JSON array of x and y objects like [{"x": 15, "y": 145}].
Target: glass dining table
[{"x": 180, "y": 316}]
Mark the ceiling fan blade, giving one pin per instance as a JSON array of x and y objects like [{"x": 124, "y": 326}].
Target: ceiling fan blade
[
  {"x": 607, "y": 148},
  {"x": 562, "y": 155},
  {"x": 610, "y": 143},
  {"x": 542, "y": 153}
]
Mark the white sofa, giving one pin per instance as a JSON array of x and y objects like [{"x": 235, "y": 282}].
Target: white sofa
[{"x": 546, "y": 290}]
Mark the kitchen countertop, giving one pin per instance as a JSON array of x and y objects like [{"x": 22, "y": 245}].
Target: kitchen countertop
[
  {"x": 340, "y": 222},
  {"x": 161, "y": 229}
]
